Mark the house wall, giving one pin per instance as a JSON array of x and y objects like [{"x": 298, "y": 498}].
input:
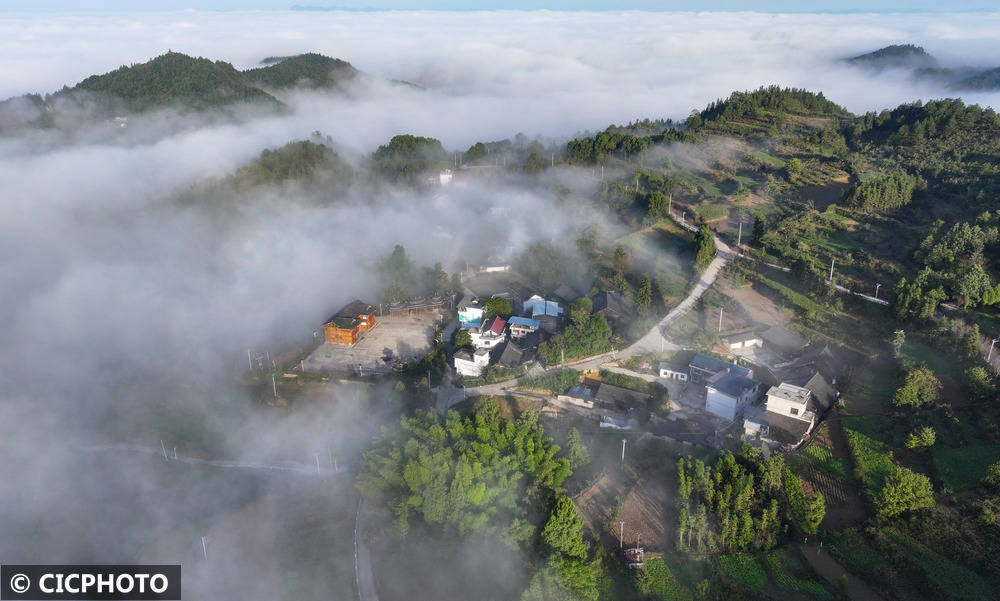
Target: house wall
[
  {"x": 673, "y": 375},
  {"x": 747, "y": 343},
  {"x": 468, "y": 368},
  {"x": 332, "y": 333},
  {"x": 720, "y": 404},
  {"x": 785, "y": 407}
]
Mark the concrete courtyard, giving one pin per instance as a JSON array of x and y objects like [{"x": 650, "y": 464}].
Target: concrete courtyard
[{"x": 392, "y": 339}]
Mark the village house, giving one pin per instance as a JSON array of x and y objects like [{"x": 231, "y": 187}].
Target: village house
[
  {"x": 782, "y": 341},
  {"x": 742, "y": 340},
  {"x": 347, "y": 325},
  {"x": 470, "y": 312},
  {"x": 671, "y": 371},
  {"x": 490, "y": 334},
  {"x": 609, "y": 304},
  {"x": 728, "y": 393},
  {"x": 522, "y": 326},
  {"x": 472, "y": 363},
  {"x": 703, "y": 367},
  {"x": 623, "y": 399},
  {"x": 416, "y": 306}
]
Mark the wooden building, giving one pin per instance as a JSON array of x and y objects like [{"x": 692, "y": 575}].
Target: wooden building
[
  {"x": 346, "y": 326},
  {"x": 416, "y": 306}
]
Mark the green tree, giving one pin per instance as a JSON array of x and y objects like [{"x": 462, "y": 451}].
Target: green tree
[
  {"x": 704, "y": 244},
  {"x": 904, "y": 491},
  {"x": 563, "y": 532},
  {"x": 498, "y": 306},
  {"x": 622, "y": 262},
  {"x": 793, "y": 167},
  {"x": 576, "y": 451},
  {"x": 463, "y": 339},
  {"x": 657, "y": 207},
  {"x": 580, "y": 310},
  {"x": 644, "y": 295},
  {"x": 918, "y": 388},
  {"x": 979, "y": 384},
  {"x": 921, "y": 438},
  {"x": 759, "y": 229},
  {"x": 898, "y": 340}
]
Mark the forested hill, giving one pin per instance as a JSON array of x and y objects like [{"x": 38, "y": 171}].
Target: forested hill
[
  {"x": 176, "y": 78},
  {"x": 791, "y": 101},
  {"x": 895, "y": 56},
  {"x": 305, "y": 70}
]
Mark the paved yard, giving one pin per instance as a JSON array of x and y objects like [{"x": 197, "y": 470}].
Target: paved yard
[{"x": 391, "y": 339}]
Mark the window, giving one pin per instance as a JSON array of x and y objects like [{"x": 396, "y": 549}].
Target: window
[{"x": 794, "y": 410}]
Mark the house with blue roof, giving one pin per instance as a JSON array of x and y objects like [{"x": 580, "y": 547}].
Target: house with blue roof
[{"x": 520, "y": 327}]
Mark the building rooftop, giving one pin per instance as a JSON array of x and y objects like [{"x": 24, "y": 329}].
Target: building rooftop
[
  {"x": 706, "y": 363},
  {"x": 524, "y": 321},
  {"x": 785, "y": 428},
  {"x": 783, "y": 339},
  {"x": 790, "y": 392},
  {"x": 732, "y": 384},
  {"x": 494, "y": 325},
  {"x": 540, "y": 306},
  {"x": 609, "y": 302},
  {"x": 469, "y": 301},
  {"x": 741, "y": 336},
  {"x": 608, "y": 393},
  {"x": 347, "y": 318}
]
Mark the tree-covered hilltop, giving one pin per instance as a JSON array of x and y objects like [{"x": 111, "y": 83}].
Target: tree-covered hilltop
[
  {"x": 304, "y": 161},
  {"x": 407, "y": 157},
  {"x": 175, "y": 78},
  {"x": 895, "y": 56},
  {"x": 987, "y": 80},
  {"x": 790, "y": 101},
  {"x": 308, "y": 70}
]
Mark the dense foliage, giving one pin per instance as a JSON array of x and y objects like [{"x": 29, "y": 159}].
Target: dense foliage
[
  {"x": 305, "y": 70},
  {"x": 405, "y": 158},
  {"x": 882, "y": 192},
  {"x": 466, "y": 475},
  {"x": 613, "y": 141},
  {"x": 741, "y": 502},
  {"x": 792, "y": 101},
  {"x": 176, "y": 78}
]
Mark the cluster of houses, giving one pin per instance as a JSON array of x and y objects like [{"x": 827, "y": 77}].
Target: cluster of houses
[
  {"x": 508, "y": 342},
  {"x": 778, "y": 406}
]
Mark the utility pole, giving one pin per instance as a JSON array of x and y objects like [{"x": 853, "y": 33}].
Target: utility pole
[
  {"x": 876, "y": 290},
  {"x": 164, "y": 449},
  {"x": 720, "y": 320},
  {"x": 621, "y": 535},
  {"x": 831, "y": 270},
  {"x": 317, "y": 463},
  {"x": 175, "y": 453},
  {"x": 250, "y": 361},
  {"x": 990, "y": 354},
  {"x": 739, "y": 237},
  {"x": 274, "y": 385},
  {"x": 623, "y": 451},
  {"x": 670, "y": 201},
  {"x": 638, "y": 535},
  {"x": 204, "y": 548},
  {"x": 602, "y": 173}
]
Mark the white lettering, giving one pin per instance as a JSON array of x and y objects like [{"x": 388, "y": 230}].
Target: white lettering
[
  {"x": 87, "y": 581},
  {"x": 121, "y": 588},
  {"x": 161, "y": 578},
  {"x": 41, "y": 584},
  {"x": 69, "y": 587},
  {"x": 142, "y": 581},
  {"x": 106, "y": 580}
]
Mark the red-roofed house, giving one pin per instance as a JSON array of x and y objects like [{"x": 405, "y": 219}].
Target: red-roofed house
[{"x": 490, "y": 334}]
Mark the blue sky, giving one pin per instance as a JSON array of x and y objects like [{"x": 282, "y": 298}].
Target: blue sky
[{"x": 685, "y": 5}]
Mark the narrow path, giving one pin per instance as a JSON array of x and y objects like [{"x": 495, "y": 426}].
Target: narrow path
[
  {"x": 821, "y": 561},
  {"x": 363, "y": 559}
]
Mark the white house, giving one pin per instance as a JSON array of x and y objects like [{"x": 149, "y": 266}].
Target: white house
[
  {"x": 791, "y": 400},
  {"x": 728, "y": 393},
  {"x": 472, "y": 364},
  {"x": 522, "y": 326},
  {"x": 674, "y": 372},
  {"x": 470, "y": 312},
  {"x": 490, "y": 334},
  {"x": 742, "y": 340}
]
